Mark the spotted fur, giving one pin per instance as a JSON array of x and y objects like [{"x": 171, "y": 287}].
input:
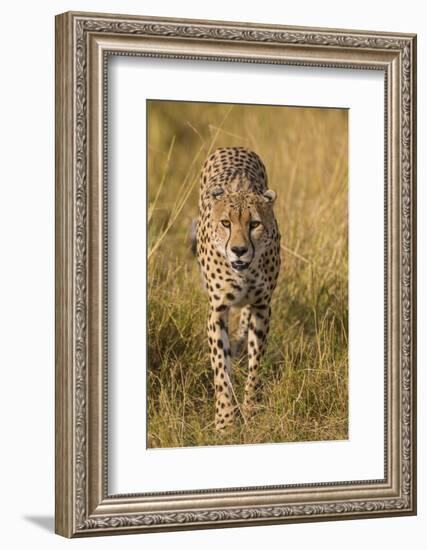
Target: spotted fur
[{"x": 238, "y": 251}]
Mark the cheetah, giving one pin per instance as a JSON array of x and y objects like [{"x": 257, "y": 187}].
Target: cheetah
[{"x": 238, "y": 251}]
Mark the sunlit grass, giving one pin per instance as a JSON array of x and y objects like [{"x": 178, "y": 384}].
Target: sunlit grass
[{"x": 305, "y": 370}]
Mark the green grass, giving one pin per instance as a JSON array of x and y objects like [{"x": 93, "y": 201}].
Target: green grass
[{"x": 304, "y": 372}]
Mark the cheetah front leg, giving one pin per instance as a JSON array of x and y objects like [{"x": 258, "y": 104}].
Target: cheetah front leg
[
  {"x": 257, "y": 339},
  {"x": 220, "y": 355},
  {"x": 240, "y": 340}
]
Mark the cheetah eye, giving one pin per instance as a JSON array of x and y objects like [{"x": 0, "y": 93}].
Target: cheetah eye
[
  {"x": 225, "y": 223},
  {"x": 254, "y": 224}
]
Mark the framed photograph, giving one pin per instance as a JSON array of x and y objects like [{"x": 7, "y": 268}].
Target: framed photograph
[{"x": 235, "y": 274}]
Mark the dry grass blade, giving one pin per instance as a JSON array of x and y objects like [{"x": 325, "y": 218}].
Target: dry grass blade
[{"x": 152, "y": 206}]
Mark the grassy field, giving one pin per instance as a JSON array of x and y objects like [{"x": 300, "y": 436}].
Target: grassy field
[{"x": 305, "y": 369}]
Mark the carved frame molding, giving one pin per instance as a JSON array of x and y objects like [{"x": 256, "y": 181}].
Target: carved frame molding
[{"x": 83, "y": 43}]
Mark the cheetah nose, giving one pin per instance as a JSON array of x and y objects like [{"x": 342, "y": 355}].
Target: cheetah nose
[{"x": 239, "y": 250}]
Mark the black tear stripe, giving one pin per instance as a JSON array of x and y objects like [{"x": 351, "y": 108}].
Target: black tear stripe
[
  {"x": 252, "y": 244},
  {"x": 226, "y": 244}
]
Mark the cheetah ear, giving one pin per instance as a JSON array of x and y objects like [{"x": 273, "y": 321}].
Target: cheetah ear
[
  {"x": 269, "y": 196},
  {"x": 216, "y": 192}
]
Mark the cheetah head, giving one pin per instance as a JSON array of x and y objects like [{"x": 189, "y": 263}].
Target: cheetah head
[{"x": 242, "y": 225}]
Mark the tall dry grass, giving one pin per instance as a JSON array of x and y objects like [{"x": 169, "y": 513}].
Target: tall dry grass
[{"x": 305, "y": 370}]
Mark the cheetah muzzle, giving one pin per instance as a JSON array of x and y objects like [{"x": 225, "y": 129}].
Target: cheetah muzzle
[{"x": 238, "y": 251}]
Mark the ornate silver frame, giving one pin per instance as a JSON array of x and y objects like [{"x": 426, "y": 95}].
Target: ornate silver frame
[{"x": 83, "y": 42}]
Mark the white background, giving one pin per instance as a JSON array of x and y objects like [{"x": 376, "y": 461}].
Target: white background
[
  {"x": 27, "y": 275},
  {"x": 362, "y": 456}
]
